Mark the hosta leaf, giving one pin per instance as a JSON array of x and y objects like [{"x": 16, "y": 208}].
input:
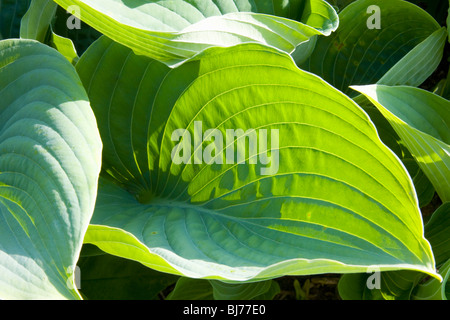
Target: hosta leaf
[
  {"x": 356, "y": 54},
  {"x": 65, "y": 46},
  {"x": 50, "y": 157},
  {"x": 405, "y": 284},
  {"x": 397, "y": 285},
  {"x": 36, "y": 23},
  {"x": 337, "y": 200},
  {"x": 418, "y": 64},
  {"x": 245, "y": 291},
  {"x": 422, "y": 121},
  {"x": 191, "y": 289},
  {"x": 37, "y": 20},
  {"x": 67, "y": 26},
  {"x": 396, "y": 54},
  {"x": 424, "y": 188},
  {"x": 434, "y": 289},
  {"x": 437, "y": 231},
  {"x": 391, "y": 285},
  {"x": 411, "y": 70},
  {"x": 172, "y": 31},
  {"x": 352, "y": 286}
]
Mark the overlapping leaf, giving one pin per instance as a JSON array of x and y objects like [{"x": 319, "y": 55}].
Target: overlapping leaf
[
  {"x": 434, "y": 289},
  {"x": 36, "y": 21},
  {"x": 406, "y": 285},
  {"x": 36, "y": 24},
  {"x": 418, "y": 64},
  {"x": 422, "y": 120},
  {"x": 359, "y": 53},
  {"x": 50, "y": 157},
  {"x": 172, "y": 31},
  {"x": 406, "y": 50},
  {"x": 437, "y": 231},
  {"x": 191, "y": 289},
  {"x": 337, "y": 201}
]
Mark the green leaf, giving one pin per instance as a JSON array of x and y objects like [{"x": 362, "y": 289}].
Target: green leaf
[
  {"x": 36, "y": 22},
  {"x": 197, "y": 289},
  {"x": 443, "y": 87},
  {"x": 422, "y": 121},
  {"x": 80, "y": 34},
  {"x": 352, "y": 286},
  {"x": 66, "y": 47},
  {"x": 434, "y": 289},
  {"x": 424, "y": 188},
  {"x": 191, "y": 289},
  {"x": 412, "y": 68},
  {"x": 437, "y": 230},
  {"x": 405, "y": 285},
  {"x": 418, "y": 64},
  {"x": 262, "y": 290},
  {"x": 392, "y": 285},
  {"x": 356, "y": 54},
  {"x": 336, "y": 200},
  {"x": 173, "y": 31},
  {"x": 50, "y": 157}
]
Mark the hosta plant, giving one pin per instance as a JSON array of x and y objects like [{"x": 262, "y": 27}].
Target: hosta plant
[{"x": 214, "y": 147}]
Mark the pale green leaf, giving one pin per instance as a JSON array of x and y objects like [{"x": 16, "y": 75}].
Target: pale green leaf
[
  {"x": 66, "y": 47},
  {"x": 437, "y": 230},
  {"x": 50, "y": 157},
  {"x": 424, "y": 188},
  {"x": 418, "y": 64},
  {"x": 172, "y": 31},
  {"x": 36, "y": 22},
  {"x": 422, "y": 121}
]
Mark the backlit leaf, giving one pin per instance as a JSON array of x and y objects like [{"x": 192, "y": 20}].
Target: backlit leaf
[{"x": 336, "y": 199}]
